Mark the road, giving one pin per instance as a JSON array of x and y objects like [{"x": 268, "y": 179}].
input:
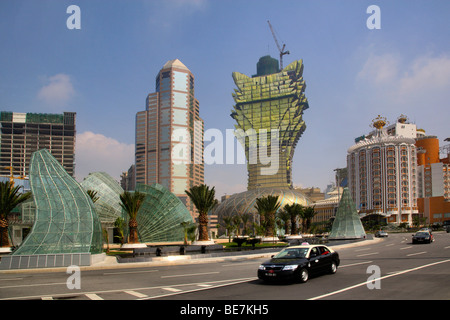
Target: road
[{"x": 406, "y": 271}]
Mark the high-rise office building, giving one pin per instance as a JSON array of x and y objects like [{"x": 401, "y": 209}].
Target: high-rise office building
[
  {"x": 169, "y": 134},
  {"x": 24, "y": 133}
]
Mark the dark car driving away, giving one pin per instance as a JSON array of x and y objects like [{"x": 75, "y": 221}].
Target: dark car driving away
[
  {"x": 299, "y": 262},
  {"x": 422, "y": 237}
]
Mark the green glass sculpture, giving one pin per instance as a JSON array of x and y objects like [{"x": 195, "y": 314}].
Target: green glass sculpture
[
  {"x": 66, "y": 220},
  {"x": 347, "y": 224}
]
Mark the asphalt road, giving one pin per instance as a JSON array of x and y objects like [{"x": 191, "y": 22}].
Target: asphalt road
[{"x": 391, "y": 269}]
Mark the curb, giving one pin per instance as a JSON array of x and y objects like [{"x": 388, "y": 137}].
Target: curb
[{"x": 110, "y": 262}]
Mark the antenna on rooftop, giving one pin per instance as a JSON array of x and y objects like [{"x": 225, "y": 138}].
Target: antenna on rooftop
[{"x": 281, "y": 49}]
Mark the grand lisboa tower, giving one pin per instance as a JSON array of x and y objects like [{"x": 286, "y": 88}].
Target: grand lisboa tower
[{"x": 268, "y": 113}]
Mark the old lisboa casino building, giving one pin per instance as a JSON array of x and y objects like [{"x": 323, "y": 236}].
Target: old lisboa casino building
[{"x": 382, "y": 171}]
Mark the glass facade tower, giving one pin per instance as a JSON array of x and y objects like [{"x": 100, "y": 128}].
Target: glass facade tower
[
  {"x": 169, "y": 134},
  {"x": 268, "y": 112}
]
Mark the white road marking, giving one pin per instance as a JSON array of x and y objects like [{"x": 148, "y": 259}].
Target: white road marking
[
  {"x": 189, "y": 274},
  {"x": 93, "y": 296},
  {"x": 218, "y": 283},
  {"x": 365, "y": 249},
  {"x": 136, "y": 294},
  {"x": 367, "y": 254},
  {"x": 405, "y": 248},
  {"x": 354, "y": 264},
  {"x": 47, "y": 298},
  {"x": 414, "y": 254},
  {"x": 238, "y": 264},
  {"x": 172, "y": 289},
  {"x": 34, "y": 285},
  {"x": 384, "y": 277},
  {"x": 11, "y": 279},
  {"x": 109, "y": 273},
  {"x": 200, "y": 289}
]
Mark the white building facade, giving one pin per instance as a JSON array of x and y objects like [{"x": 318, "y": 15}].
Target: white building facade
[{"x": 382, "y": 173}]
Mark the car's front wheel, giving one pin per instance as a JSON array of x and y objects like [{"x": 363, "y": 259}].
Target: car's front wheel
[
  {"x": 333, "y": 267},
  {"x": 303, "y": 275}
]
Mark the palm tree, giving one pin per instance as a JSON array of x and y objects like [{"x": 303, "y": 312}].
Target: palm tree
[
  {"x": 93, "y": 195},
  {"x": 228, "y": 225},
  {"x": 237, "y": 223},
  {"x": 105, "y": 238},
  {"x": 131, "y": 202},
  {"x": 204, "y": 200},
  {"x": 267, "y": 207},
  {"x": 245, "y": 218},
  {"x": 10, "y": 197},
  {"x": 294, "y": 211},
  {"x": 308, "y": 214},
  {"x": 186, "y": 225},
  {"x": 284, "y": 216},
  {"x": 119, "y": 224}
]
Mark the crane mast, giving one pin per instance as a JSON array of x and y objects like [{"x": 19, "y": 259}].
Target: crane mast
[{"x": 281, "y": 49}]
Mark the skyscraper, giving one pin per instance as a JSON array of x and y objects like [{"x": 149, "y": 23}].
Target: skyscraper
[
  {"x": 24, "y": 133},
  {"x": 269, "y": 122},
  {"x": 268, "y": 111},
  {"x": 169, "y": 134}
]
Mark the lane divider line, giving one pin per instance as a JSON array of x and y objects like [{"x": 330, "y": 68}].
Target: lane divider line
[
  {"x": 381, "y": 278},
  {"x": 414, "y": 254},
  {"x": 172, "y": 289}
]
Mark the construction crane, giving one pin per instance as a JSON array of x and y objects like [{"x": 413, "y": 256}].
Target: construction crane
[
  {"x": 12, "y": 177},
  {"x": 281, "y": 49}
]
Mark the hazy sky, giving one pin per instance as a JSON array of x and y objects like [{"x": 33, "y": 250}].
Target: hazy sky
[{"x": 105, "y": 70}]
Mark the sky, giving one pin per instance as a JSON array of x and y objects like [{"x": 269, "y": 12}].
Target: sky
[{"x": 104, "y": 70}]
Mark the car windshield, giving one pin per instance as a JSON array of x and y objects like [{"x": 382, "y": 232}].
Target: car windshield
[
  {"x": 292, "y": 253},
  {"x": 422, "y": 234}
]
